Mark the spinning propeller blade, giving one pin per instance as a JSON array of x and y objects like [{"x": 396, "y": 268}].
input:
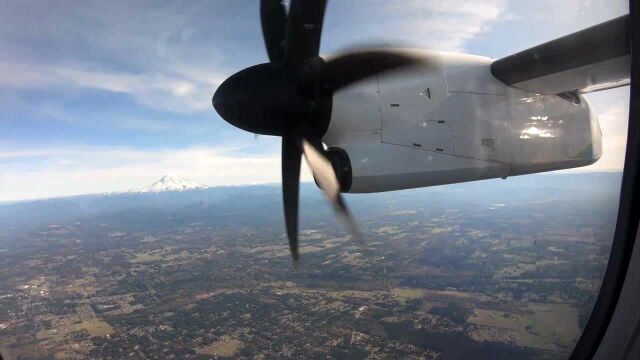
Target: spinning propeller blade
[{"x": 291, "y": 96}]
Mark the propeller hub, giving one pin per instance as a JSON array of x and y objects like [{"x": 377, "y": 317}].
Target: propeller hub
[
  {"x": 249, "y": 99},
  {"x": 263, "y": 99}
]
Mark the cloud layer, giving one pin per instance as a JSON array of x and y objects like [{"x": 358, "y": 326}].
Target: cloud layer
[{"x": 68, "y": 171}]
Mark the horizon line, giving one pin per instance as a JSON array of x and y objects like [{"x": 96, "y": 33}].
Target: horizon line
[{"x": 129, "y": 192}]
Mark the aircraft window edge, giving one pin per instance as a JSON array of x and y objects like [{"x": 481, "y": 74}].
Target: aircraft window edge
[{"x": 627, "y": 220}]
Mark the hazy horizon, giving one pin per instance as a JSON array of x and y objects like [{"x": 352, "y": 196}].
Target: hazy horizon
[{"x": 307, "y": 182}]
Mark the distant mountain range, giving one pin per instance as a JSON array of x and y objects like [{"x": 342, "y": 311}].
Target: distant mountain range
[
  {"x": 179, "y": 196},
  {"x": 170, "y": 183}
]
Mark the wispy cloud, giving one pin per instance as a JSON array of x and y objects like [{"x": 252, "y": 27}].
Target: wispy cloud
[
  {"x": 448, "y": 25},
  {"x": 185, "y": 91},
  {"x": 613, "y": 123},
  {"x": 167, "y": 60},
  {"x": 441, "y": 25},
  {"x": 165, "y": 56}
]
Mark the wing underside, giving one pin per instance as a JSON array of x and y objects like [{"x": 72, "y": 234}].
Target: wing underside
[{"x": 593, "y": 59}]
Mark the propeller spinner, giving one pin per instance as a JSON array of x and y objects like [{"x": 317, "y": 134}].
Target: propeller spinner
[{"x": 291, "y": 97}]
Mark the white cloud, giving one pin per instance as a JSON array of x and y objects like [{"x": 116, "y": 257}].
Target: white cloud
[
  {"x": 184, "y": 90},
  {"x": 177, "y": 75},
  {"x": 613, "y": 123},
  {"x": 164, "y": 56},
  {"x": 71, "y": 171},
  {"x": 441, "y": 25},
  {"x": 449, "y": 25}
]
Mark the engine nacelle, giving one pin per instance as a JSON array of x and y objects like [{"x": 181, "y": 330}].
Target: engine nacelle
[{"x": 452, "y": 121}]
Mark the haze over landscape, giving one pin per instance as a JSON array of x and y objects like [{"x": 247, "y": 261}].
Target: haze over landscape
[{"x": 496, "y": 269}]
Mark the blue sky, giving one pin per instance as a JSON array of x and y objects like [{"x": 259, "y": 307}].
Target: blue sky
[{"x": 105, "y": 96}]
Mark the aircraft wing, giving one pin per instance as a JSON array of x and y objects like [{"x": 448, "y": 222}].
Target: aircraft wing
[{"x": 593, "y": 59}]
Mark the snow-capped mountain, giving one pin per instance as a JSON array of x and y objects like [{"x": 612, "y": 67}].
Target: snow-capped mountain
[{"x": 171, "y": 183}]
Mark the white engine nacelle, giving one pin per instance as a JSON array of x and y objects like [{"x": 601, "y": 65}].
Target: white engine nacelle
[{"x": 451, "y": 121}]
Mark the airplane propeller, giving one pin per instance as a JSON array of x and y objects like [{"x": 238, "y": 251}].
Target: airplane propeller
[{"x": 291, "y": 97}]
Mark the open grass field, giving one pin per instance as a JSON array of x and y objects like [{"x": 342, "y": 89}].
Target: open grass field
[
  {"x": 226, "y": 347},
  {"x": 540, "y": 325}
]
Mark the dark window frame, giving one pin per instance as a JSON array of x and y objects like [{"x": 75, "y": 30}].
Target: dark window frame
[{"x": 628, "y": 215}]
